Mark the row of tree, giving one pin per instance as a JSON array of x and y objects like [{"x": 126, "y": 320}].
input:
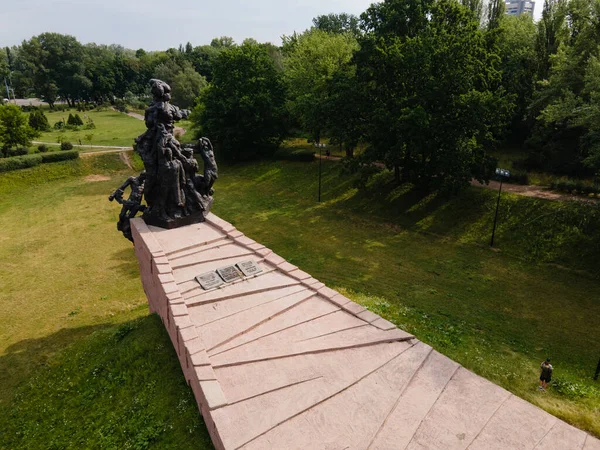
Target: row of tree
[
  {"x": 430, "y": 86},
  {"x": 53, "y": 66}
]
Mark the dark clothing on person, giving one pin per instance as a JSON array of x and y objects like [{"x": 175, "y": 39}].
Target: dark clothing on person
[{"x": 546, "y": 374}]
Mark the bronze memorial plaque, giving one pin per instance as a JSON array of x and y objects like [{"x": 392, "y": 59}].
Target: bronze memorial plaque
[
  {"x": 229, "y": 273},
  {"x": 249, "y": 267},
  {"x": 209, "y": 280}
]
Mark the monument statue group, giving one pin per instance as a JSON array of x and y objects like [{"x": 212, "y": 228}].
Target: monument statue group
[{"x": 175, "y": 195}]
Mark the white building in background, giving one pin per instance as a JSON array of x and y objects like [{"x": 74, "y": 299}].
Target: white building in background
[{"x": 518, "y": 7}]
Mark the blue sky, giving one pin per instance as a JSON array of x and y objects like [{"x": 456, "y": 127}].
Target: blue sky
[
  {"x": 161, "y": 24},
  {"x": 158, "y": 25}
]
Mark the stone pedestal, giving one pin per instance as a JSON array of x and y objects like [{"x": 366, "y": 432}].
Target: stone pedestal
[{"x": 277, "y": 360}]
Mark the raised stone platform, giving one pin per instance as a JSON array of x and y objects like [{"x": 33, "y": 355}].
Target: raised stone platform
[{"x": 277, "y": 360}]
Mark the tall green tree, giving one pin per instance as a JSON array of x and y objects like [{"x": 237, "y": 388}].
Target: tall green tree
[
  {"x": 186, "y": 87},
  {"x": 310, "y": 64},
  {"x": 337, "y": 23},
  {"x": 55, "y": 64},
  {"x": 518, "y": 65},
  {"x": 561, "y": 139},
  {"x": 242, "y": 110},
  {"x": 434, "y": 91},
  {"x": 14, "y": 129}
]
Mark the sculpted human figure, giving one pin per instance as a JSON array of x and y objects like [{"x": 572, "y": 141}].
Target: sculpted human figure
[
  {"x": 132, "y": 205},
  {"x": 175, "y": 195}
]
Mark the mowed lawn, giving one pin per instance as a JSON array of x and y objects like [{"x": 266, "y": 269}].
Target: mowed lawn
[
  {"x": 112, "y": 128},
  {"x": 80, "y": 358}
]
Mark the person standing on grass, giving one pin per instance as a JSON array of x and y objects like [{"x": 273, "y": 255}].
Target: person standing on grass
[{"x": 545, "y": 374}]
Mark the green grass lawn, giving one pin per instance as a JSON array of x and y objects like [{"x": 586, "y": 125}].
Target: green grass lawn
[
  {"x": 81, "y": 362},
  {"x": 112, "y": 128}
]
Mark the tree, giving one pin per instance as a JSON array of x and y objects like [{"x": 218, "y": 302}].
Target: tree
[
  {"x": 222, "y": 42},
  {"x": 38, "y": 120},
  {"x": 242, "y": 109},
  {"x": 550, "y": 33},
  {"x": 187, "y": 86},
  {"x": 202, "y": 58},
  {"x": 310, "y": 64},
  {"x": 14, "y": 129},
  {"x": 563, "y": 136},
  {"x": 345, "y": 109},
  {"x": 495, "y": 13},
  {"x": 337, "y": 23},
  {"x": 166, "y": 71},
  {"x": 55, "y": 64},
  {"x": 518, "y": 65},
  {"x": 434, "y": 92}
]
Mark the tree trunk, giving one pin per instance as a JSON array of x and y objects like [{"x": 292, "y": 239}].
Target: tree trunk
[{"x": 350, "y": 152}]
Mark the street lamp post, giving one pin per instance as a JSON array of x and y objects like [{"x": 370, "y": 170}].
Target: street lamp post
[
  {"x": 321, "y": 146},
  {"x": 501, "y": 173},
  {"x": 320, "y": 162}
]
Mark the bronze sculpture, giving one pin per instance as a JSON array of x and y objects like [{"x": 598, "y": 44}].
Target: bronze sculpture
[
  {"x": 132, "y": 205},
  {"x": 174, "y": 194}
]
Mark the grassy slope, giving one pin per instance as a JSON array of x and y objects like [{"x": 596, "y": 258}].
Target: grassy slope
[
  {"x": 68, "y": 277},
  {"x": 413, "y": 260},
  {"x": 112, "y": 128}
]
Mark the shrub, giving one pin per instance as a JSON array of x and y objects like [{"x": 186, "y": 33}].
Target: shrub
[
  {"x": 295, "y": 155},
  {"x": 121, "y": 105},
  {"x": 66, "y": 145},
  {"x": 38, "y": 120},
  {"x": 19, "y": 162},
  {"x": 19, "y": 151},
  {"x": 62, "y": 156},
  {"x": 103, "y": 107},
  {"x": 71, "y": 120},
  {"x": 59, "y": 125},
  {"x": 77, "y": 119},
  {"x": 42, "y": 148}
]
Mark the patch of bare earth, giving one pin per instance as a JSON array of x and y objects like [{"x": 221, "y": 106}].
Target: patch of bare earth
[{"x": 93, "y": 178}]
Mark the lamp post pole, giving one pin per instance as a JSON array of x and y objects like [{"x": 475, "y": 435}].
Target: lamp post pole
[
  {"x": 320, "y": 162},
  {"x": 501, "y": 173}
]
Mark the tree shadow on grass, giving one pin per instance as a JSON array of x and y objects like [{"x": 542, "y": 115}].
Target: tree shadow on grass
[
  {"x": 103, "y": 386},
  {"x": 22, "y": 359}
]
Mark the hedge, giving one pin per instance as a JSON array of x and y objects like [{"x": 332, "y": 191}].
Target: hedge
[
  {"x": 23, "y": 162},
  {"x": 62, "y": 156}
]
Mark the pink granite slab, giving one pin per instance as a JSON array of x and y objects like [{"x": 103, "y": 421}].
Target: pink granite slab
[{"x": 280, "y": 361}]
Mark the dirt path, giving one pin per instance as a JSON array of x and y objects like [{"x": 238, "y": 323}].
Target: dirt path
[
  {"x": 125, "y": 150},
  {"x": 525, "y": 190},
  {"x": 113, "y": 147}
]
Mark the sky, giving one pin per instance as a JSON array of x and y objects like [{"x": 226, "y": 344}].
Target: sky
[{"x": 162, "y": 24}]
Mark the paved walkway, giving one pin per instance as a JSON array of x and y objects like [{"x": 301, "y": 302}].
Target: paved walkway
[{"x": 277, "y": 360}]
